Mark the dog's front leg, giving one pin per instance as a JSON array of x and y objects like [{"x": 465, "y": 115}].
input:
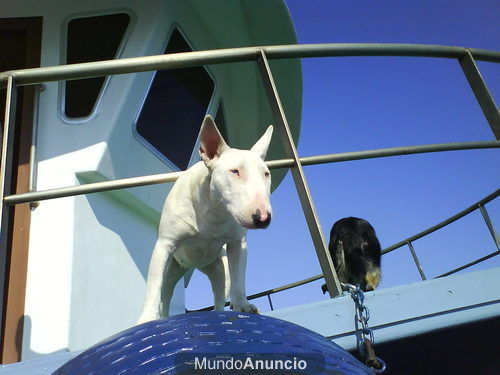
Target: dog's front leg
[
  {"x": 216, "y": 273},
  {"x": 237, "y": 261},
  {"x": 162, "y": 256}
]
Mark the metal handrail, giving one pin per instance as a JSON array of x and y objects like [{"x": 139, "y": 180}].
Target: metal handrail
[
  {"x": 161, "y": 178},
  {"x": 220, "y": 56},
  {"x": 470, "y": 264},
  {"x": 444, "y": 223},
  {"x": 272, "y": 291},
  {"x": 478, "y": 205},
  {"x": 465, "y": 56}
]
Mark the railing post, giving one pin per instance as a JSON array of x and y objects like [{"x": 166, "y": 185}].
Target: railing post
[
  {"x": 417, "y": 262},
  {"x": 481, "y": 92},
  {"x": 325, "y": 260},
  {"x": 5, "y": 188},
  {"x": 489, "y": 224},
  {"x": 34, "y": 137},
  {"x": 270, "y": 302}
]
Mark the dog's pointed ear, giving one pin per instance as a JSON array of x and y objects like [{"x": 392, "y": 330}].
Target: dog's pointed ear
[
  {"x": 263, "y": 143},
  {"x": 212, "y": 144}
]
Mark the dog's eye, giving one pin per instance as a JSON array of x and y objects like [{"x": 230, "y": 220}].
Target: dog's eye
[
  {"x": 235, "y": 172},
  {"x": 267, "y": 174}
]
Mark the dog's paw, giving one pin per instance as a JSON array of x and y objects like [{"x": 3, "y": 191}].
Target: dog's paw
[
  {"x": 147, "y": 317},
  {"x": 247, "y": 308}
]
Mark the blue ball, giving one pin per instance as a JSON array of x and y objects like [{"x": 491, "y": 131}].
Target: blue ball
[{"x": 215, "y": 342}]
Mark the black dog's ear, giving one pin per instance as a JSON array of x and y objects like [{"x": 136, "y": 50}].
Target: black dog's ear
[{"x": 324, "y": 288}]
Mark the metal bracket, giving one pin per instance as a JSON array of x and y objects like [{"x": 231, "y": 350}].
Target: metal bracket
[
  {"x": 325, "y": 260},
  {"x": 34, "y": 137},
  {"x": 417, "y": 262},
  {"x": 490, "y": 226},
  {"x": 481, "y": 92},
  {"x": 5, "y": 185}
]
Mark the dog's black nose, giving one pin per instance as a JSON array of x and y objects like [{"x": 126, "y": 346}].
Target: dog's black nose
[{"x": 257, "y": 220}]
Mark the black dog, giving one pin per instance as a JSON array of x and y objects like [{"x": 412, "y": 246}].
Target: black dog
[{"x": 355, "y": 252}]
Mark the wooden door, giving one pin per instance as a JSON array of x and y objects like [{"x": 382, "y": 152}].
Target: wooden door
[{"x": 20, "y": 43}]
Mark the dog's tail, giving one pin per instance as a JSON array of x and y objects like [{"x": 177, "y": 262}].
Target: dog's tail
[{"x": 373, "y": 277}]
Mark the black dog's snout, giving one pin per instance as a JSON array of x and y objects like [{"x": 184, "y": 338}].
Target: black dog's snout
[{"x": 257, "y": 220}]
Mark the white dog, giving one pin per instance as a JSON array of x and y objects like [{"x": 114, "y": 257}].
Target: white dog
[{"x": 211, "y": 205}]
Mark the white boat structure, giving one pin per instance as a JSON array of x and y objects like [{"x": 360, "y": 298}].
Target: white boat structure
[{"x": 107, "y": 98}]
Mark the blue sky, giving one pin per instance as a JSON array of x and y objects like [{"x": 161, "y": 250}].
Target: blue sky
[{"x": 352, "y": 104}]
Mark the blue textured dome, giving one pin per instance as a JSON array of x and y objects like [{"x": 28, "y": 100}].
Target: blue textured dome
[{"x": 183, "y": 344}]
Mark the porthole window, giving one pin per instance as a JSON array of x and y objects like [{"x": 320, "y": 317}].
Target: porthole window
[
  {"x": 175, "y": 106},
  {"x": 90, "y": 39}
]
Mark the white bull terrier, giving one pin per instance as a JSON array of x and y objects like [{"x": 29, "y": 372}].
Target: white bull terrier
[{"x": 211, "y": 205}]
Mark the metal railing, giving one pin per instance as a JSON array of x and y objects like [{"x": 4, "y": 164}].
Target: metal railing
[
  {"x": 407, "y": 241},
  {"x": 12, "y": 79}
]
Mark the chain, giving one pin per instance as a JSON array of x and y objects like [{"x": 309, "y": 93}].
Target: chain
[{"x": 365, "y": 334}]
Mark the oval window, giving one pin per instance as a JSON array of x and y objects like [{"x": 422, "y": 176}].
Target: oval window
[{"x": 85, "y": 43}]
